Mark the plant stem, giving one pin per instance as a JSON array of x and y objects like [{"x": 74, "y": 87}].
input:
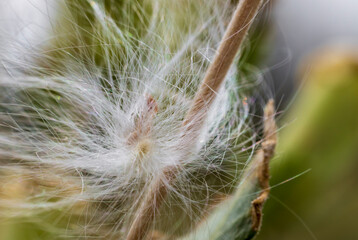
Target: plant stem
[
  {"x": 214, "y": 77},
  {"x": 218, "y": 69}
]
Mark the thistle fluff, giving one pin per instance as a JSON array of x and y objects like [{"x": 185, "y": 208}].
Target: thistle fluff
[{"x": 93, "y": 113}]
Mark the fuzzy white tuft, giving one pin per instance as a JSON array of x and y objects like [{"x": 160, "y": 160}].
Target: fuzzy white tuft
[{"x": 92, "y": 118}]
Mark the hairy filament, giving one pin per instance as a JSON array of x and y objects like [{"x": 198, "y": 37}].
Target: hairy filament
[{"x": 230, "y": 44}]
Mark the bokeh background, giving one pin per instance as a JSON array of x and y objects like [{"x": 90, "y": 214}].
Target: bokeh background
[{"x": 312, "y": 70}]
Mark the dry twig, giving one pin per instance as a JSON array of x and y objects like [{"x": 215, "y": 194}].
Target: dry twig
[{"x": 263, "y": 157}]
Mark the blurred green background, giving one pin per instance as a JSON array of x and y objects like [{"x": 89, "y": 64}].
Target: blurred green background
[
  {"x": 314, "y": 70},
  {"x": 314, "y": 175}
]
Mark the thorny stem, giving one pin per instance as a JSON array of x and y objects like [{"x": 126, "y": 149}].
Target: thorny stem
[{"x": 215, "y": 75}]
